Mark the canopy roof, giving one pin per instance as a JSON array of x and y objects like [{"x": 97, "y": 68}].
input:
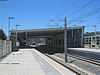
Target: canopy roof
[{"x": 44, "y": 31}]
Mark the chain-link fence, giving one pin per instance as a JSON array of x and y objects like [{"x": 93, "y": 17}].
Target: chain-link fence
[{"x": 5, "y": 48}]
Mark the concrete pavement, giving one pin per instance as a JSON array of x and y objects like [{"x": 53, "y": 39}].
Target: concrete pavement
[{"x": 31, "y": 62}]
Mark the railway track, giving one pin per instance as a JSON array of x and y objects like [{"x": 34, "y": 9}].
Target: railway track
[
  {"x": 77, "y": 73},
  {"x": 82, "y": 58},
  {"x": 86, "y": 59},
  {"x": 92, "y": 61},
  {"x": 70, "y": 65}
]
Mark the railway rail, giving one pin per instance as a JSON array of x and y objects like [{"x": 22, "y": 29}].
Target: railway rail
[
  {"x": 92, "y": 61},
  {"x": 77, "y": 73},
  {"x": 78, "y": 70}
]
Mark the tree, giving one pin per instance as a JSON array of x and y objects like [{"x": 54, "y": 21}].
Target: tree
[{"x": 2, "y": 35}]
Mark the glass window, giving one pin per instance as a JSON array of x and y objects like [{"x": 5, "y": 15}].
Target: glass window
[
  {"x": 97, "y": 38},
  {"x": 93, "y": 37},
  {"x": 97, "y": 43},
  {"x": 86, "y": 40}
]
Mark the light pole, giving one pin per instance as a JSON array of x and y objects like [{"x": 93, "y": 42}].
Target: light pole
[
  {"x": 95, "y": 28},
  {"x": 95, "y": 34},
  {"x": 65, "y": 40},
  {"x": 17, "y": 43},
  {"x": 9, "y": 18},
  {"x": 16, "y": 32}
]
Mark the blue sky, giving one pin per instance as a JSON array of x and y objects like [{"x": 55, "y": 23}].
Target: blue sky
[{"x": 30, "y": 14}]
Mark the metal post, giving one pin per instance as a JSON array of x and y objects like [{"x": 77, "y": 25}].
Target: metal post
[
  {"x": 26, "y": 35},
  {"x": 91, "y": 41},
  {"x": 95, "y": 35},
  {"x": 9, "y": 28},
  {"x": 17, "y": 43},
  {"x": 9, "y": 31},
  {"x": 65, "y": 40},
  {"x": 82, "y": 37},
  {"x": 16, "y": 32}
]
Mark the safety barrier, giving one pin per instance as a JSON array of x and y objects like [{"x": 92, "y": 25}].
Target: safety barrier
[{"x": 5, "y": 48}]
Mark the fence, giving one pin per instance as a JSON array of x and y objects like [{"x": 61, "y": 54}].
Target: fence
[{"x": 5, "y": 48}]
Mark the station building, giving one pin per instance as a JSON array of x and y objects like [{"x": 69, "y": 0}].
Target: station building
[
  {"x": 52, "y": 36},
  {"x": 92, "y": 40}
]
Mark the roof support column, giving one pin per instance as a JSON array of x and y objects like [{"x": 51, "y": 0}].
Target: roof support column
[{"x": 26, "y": 34}]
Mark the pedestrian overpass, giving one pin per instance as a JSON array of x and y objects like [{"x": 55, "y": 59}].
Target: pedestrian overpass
[{"x": 50, "y": 36}]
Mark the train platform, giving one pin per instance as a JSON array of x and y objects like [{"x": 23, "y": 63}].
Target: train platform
[
  {"x": 86, "y": 49},
  {"x": 31, "y": 62}
]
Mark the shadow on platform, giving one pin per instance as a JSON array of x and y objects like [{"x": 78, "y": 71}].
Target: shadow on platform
[
  {"x": 49, "y": 49},
  {"x": 25, "y": 47}
]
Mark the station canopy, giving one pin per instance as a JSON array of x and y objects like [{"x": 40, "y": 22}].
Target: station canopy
[{"x": 43, "y": 31}]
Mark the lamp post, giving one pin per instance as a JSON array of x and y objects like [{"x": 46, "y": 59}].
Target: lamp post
[
  {"x": 95, "y": 28},
  {"x": 95, "y": 34},
  {"x": 9, "y": 18},
  {"x": 17, "y": 43},
  {"x": 16, "y": 32}
]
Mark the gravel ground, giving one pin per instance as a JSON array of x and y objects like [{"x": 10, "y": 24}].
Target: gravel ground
[
  {"x": 84, "y": 65},
  {"x": 81, "y": 64}
]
